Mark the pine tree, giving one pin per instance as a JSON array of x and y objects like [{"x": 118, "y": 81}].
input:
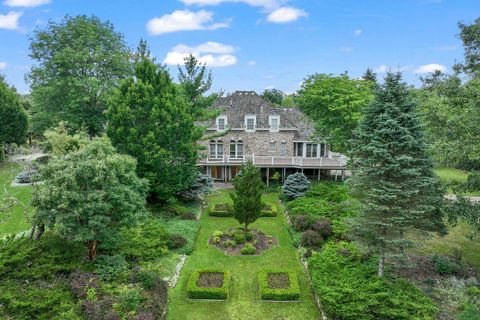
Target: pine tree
[
  {"x": 369, "y": 75},
  {"x": 296, "y": 185},
  {"x": 393, "y": 175},
  {"x": 247, "y": 197}
]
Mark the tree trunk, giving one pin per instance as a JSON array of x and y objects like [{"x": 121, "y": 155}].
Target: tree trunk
[
  {"x": 34, "y": 227},
  {"x": 92, "y": 249},
  {"x": 41, "y": 230},
  {"x": 381, "y": 264}
]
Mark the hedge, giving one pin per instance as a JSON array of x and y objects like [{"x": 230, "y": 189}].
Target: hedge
[
  {"x": 269, "y": 213},
  {"x": 225, "y": 213},
  {"x": 194, "y": 292},
  {"x": 288, "y": 294}
]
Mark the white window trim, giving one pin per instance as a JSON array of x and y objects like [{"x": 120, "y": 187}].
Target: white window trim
[
  {"x": 225, "y": 123},
  {"x": 254, "y": 123},
  {"x": 274, "y": 144},
  {"x": 270, "y": 123}
]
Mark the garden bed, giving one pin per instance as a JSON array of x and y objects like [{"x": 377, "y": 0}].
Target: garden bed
[
  {"x": 278, "y": 285},
  {"x": 224, "y": 210},
  {"x": 209, "y": 284},
  {"x": 238, "y": 242}
]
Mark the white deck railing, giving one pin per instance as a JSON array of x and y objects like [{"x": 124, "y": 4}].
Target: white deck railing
[{"x": 332, "y": 161}]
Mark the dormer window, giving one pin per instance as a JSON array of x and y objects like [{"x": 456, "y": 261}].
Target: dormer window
[
  {"x": 250, "y": 123},
  {"x": 222, "y": 123},
  {"x": 274, "y": 122}
]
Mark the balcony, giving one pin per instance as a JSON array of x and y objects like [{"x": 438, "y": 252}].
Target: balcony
[{"x": 333, "y": 161}]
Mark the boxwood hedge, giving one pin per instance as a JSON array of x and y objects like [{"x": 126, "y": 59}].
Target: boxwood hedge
[
  {"x": 195, "y": 292},
  {"x": 267, "y": 211},
  {"x": 288, "y": 294}
]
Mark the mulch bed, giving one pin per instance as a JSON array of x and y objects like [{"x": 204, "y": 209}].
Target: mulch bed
[
  {"x": 278, "y": 281},
  {"x": 260, "y": 241},
  {"x": 221, "y": 207},
  {"x": 210, "y": 280}
]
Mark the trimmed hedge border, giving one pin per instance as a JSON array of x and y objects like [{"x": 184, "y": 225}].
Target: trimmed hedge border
[
  {"x": 194, "y": 292},
  {"x": 223, "y": 213},
  {"x": 289, "y": 294}
]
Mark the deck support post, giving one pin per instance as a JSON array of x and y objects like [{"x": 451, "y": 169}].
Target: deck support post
[
  {"x": 336, "y": 174},
  {"x": 318, "y": 175},
  {"x": 343, "y": 174},
  {"x": 268, "y": 175}
]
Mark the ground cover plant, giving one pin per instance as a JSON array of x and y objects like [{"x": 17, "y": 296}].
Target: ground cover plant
[
  {"x": 236, "y": 241},
  {"x": 278, "y": 285}
]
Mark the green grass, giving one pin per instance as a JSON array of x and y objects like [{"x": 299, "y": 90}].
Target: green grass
[
  {"x": 448, "y": 174},
  {"x": 14, "y": 220},
  {"x": 243, "y": 302}
]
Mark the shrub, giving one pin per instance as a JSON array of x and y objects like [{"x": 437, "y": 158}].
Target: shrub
[
  {"x": 176, "y": 241},
  {"x": 81, "y": 281},
  {"x": 100, "y": 309},
  {"x": 239, "y": 238},
  {"x": 111, "y": 268},
  {"x": 311, "y": 238},
  {"x": 145, "y": 242},
  {"x": 218, "y": 233},
  {"x": 354, "y": 291},
  {"x": 470, "y": 312},
  {"x": 269, "y": 211},
  {"x": 146, "y": 278},
  {"x": 188, "y": 229},
  {"x": 473, "y": 181},
  {"x": 229, "y": 243},
  {"x": 249, "y": 235},
  {"x": 220, "y": 210},
  {"x": 296, "y": 185},
  {"x": 291, "y": 293},
  {"x": 195, "y": 292},
  {"x": 216, "y": 240},
  {"x": 188, "y": 216},
  {"x": 301, "y": 222},
  {"x": 336, "y": 192},
  {"x": 248, "y": 249},
  {"x": 130, "y": 300},
  {"x": 323, "y": 227},
  {"x": 443, "y": 265},
  {"x": 202, "y": 186}
]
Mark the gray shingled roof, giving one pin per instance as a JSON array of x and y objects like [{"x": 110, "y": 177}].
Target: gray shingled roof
[{"x": 241, "y": 103}]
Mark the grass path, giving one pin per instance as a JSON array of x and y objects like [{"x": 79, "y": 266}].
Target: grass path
[{"x": 243, "y": 302}]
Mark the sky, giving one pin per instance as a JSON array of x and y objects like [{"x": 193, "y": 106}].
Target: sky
[{"x": 261, "y": 44}]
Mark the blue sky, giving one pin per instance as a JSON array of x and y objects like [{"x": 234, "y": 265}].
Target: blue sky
[{"x": 259, "y": 44}]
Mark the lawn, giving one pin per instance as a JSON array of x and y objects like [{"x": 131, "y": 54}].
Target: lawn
[
  {"x": 243, "y": 302},
  {"x": 14, "y": 220},
  {"x": 449, "y": 174}
]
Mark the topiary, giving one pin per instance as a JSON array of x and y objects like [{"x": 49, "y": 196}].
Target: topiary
[
  {"x": 248, "y": 249},
  {"x": 176, "y": 241},
  {"x": 296, "y": 185},
  {"x": 323, "y": 227},
  {"x": 311, "y": 238},
  {"x": 301, "y": 223},
  {"x": 239, "y": 238}
]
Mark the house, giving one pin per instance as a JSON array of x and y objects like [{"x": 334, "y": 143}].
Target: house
[{"x": 275, "y": 139}]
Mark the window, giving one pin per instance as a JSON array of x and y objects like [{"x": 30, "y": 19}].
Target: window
[
  {"x": 233, "y": 149},
  {"x": 216, "y": 149},
  {"x": 250, "y": 122},
  {"x": 213, "y": 149},
  {"x": 274, "y": 123},
  {"x": 240, "y": 149},
  {"x": 219, "y": 149},
  {"x": 272, "y": 147},
  {"x": 311, "y": 150},
  {"x": 236, "y": 149},
  {"x": 221, "y": 123},
  {"x": 299, "y": 149},
  {"x": 283, "y": 149},
  {"x": 322, "y": 150}
]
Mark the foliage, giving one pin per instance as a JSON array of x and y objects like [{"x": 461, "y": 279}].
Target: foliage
[
  {"x": 311, "y": 238},
  {"x": 335, "y": 104},
  {"x": 470, "y": 36},
  {"x": 269, "y": 210},
  {"x": 220, "y": 210},
  {"x": 111, "y": 268},
  {"x": 188, "y": 229},
  {"x": 296, "y": 185},
  {"x": 79, "y": 60},
  {"x": 90, "y": 194},
  {"x": 330, "y": 191},
  {"x": 248, "y": 249},
  {"x": 393, "y": 175},
  {"x": 149, "y": 120},
  {"x": 287, "y": 294},
  {"x": 301, "y": 222},
  {"x": 13, "y": 119},
  {"x": 239, "y": 238},
  {"x": 323, "y": 227},
  {"x": 473, "y": 181},
  {"x": 176, "y": 241},
  {"x": 221, "y": 293},
  {"x": 353, "y": 291},
  {"x": 370, "y": 75},
  {"x": 443, "y": 265},
  {"x": 201, "y": 187},
  {"x": 59, "y": 142},
  {"x": 274, "y": 96},
  {"x": 463, "y": 209},
  {"x": 247, "y": 195}
]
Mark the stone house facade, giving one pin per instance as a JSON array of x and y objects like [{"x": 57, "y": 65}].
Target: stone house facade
[{"x": 275, "y": 139}]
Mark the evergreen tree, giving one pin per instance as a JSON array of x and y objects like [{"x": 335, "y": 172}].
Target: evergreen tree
[
  {"x": 13, "y": 119},
  {"x": 393, "y": 175},
  {"x": 296, "y": 185},
  {"x": 369, "y": 75},
  {"x": 151, "y": 121},
  {"x": 247, "y": 196}
]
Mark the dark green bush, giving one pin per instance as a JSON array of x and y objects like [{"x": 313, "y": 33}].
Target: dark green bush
[
  {"x": 473, "y": 181},
  {"x": 323, "y": 227},
  {"x": 248, "y": 249},
  {"x": 176, "y": 241},
  {"x": 444, "y": 265},
  {"x": 220, "y": 210},
  {"x": 111, "y": 268},
  {"x": 295, "y": 186},
  {"x": 350, "y": 289},
  {"x": 311, "y": 238},
  {"x": 470, "y": 312},
  {"x": 145, "y": 242},
  {"x": 291, "y": 293},
  {"x": 330, "y": 191},
  {"x": 195, "y": 292},
  {"x": 239, "y": 238},
  {"x": 269, "y": 210},
  {"x": 188, "y": 229},
  {"x": 249, "y": 235},
  {"x": 301, "y": 222}
]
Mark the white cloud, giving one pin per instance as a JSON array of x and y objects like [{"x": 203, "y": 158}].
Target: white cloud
[
  {"x": 10, "y": 20},
  {"x": 286, "y": 14},
  {"x": 251, "y": 63},
  {"x": 430, "y": 68},
  {"x": 385, "y": 68},
  {"x": 25, "y": 3},
  {"x": 358, "y": 32},
  {"x": 183, "y": 20},
  {"x": 381, "y": 69},
  {"x": 213, "y": 54},
  {"x": 346, "y": 49},
  {"x": 267, "y": 4},
  {"x": 3, "y": 65}
]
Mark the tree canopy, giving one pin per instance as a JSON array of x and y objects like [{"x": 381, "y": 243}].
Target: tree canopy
[
  {"x": 393, "y": 175},
  {"x": 78, "y": 61},
  {"x": 275, "y": 96},
  {"x": 150, "y": 120},
  {"x": 335, "y": 104},
  {"x": 89, "y": 194}
]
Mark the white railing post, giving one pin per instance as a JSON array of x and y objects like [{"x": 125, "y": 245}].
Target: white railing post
[
  {"x": 253, "y": 158},
  {"x": 272, "y": 160}
]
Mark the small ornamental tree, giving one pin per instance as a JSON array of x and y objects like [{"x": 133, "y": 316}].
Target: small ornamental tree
[
  {"x": 90, "y": 194},
  {"x": 247, "y": 197},
  {"x": 296, "y": 185},
  {"x": 200, "y": 187}
]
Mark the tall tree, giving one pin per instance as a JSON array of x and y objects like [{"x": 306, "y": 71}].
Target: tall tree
[
  {"x": 13, "y": 118},
  {"x": 369, "y": 75},
  {"x": 195, "y": 81},
  {"x": 275, "y": 96},
  {"x": 79, "y": 60},
  {"x": 393, "y": 175},
  {"x": 151, "y": 121},
  {"x": 335, "y": 104},
  {"x": 247, "y": 196},
  {"x": 90, "y": 195},
  {"x": 470, "y": 36}
]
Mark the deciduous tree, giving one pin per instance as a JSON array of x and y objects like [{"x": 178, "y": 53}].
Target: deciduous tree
[{"x": 275, "y": 96}]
